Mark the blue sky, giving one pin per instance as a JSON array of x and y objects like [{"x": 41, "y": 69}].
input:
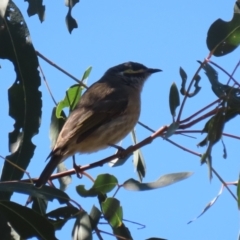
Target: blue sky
[{"x": 159, "y": 34}]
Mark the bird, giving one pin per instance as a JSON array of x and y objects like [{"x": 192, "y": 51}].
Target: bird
[{"x": 106, "y": 112}]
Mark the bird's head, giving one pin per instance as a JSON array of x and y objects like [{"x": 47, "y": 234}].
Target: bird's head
[{"x": 132, "y": 73}]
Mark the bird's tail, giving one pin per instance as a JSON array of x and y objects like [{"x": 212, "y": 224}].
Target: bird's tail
[{"x": 49, "y": 169}]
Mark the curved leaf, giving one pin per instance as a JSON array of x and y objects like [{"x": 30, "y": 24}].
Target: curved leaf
[
  {"x": 32, "y": 223},
  {"x": 102, "y": 185},
  {"x": 24, "y": 97},
  {"x": 163, "y": 181},
  {"x": 174, "y": 99},
  {"x": 224, "y": 37},
  {"x": 112, "y": 211},
  {"x": 44, "y": 192},
  {"x": 36, "y": 7}
]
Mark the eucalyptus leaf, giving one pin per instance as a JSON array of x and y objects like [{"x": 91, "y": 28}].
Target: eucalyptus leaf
[
  {"x": 112, "y": 211},
  {"x": 163, "y": 181},
  {"x": 174, "y": 99},
  {"x": 102, "y": 185},
  {"x": 82, "y": 227}
]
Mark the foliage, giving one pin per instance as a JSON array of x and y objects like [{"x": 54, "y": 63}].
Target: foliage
[{"x": 25, "y": 106}]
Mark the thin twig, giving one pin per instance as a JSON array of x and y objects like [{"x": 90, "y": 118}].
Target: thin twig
[
  {"x": 98, "y": 233},
  {"x": 19, "y": 168},
  {"x": 48, "y": 88},
  {"x": 200, "y": 111},
  {"x": 234, "y": 70},
  {"x": 60, "y": 69},
  {"x": 224, "y": 183}
]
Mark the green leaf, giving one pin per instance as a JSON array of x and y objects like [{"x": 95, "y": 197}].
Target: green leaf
[
  {"x": 32, "y": 223},
  {"x": 82, "y": 228},
  {"x": 112, "y": 211},
  {"x": 224, "y": 37},
  {"x": 86, "y": 73},
  {"x": 71, "y": 99},
  {"x": 102, "y": 185},
  {"x": 165, "y": 180},
  {"x": 174, "y": 99}
]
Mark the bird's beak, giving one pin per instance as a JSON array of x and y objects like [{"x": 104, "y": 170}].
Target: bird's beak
[{"x": 153, "y": 70}]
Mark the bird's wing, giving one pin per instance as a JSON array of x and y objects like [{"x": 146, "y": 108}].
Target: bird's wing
[{"x": 85, "y": 119}]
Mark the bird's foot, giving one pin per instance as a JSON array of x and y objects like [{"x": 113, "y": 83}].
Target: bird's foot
[
  {"x": 121, "y": 151},
  {"x": 119, "y": 148},
  {"x": 77, "y": 168}
]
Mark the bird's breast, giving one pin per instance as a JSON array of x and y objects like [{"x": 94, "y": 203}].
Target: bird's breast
[{"x": 113, "y": 131}]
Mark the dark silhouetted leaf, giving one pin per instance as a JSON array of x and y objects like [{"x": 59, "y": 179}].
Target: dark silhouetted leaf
[
  {"x": 183, "y": 89},
  {"x": 24, "y": 97},
  {"x": 174, "y": 99},
  {"x": 39, "y": 205},
  {"x": 45, "y": 192},
  {"x": 224, "y": 37},
  {"x": 122, "y": 231},
  {"x": 60, "y": 216},
  {"x": 32, "y": 223},
  {"x": 184, "y": 80},
  {"x": 70, "y": 21},
  {"x": 228, "y": 94},
  {"x": 36, "y": 7}
]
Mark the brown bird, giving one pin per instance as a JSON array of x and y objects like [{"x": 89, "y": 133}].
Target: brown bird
[{"x": 105, "y": 114}]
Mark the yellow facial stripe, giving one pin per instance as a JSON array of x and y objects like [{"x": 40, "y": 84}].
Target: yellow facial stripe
[{"x": 130, "y": 71}]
